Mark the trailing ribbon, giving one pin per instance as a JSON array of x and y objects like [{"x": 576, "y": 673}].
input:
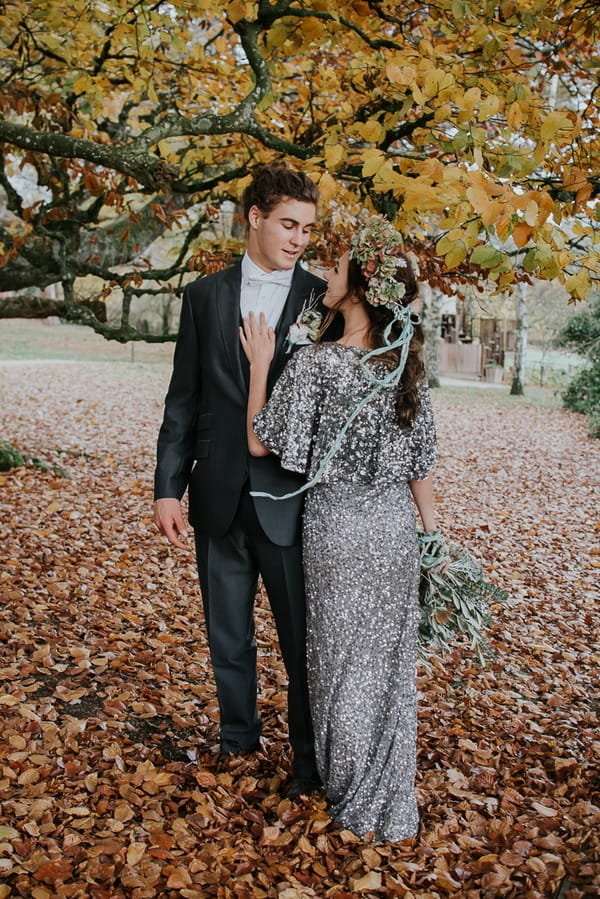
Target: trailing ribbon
[{"x": 392, "y": 379}]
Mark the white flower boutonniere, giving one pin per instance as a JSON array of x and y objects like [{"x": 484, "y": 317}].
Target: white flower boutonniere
[{"x": 305, "y": 329}]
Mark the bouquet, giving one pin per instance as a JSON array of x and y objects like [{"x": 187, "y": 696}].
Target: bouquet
[{"x": 454, "y": 597}]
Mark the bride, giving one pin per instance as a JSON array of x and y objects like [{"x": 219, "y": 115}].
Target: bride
[{"x": 355, "y": 417}]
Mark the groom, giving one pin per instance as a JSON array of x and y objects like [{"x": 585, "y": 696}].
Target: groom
[{"x": 202, "y": 446}]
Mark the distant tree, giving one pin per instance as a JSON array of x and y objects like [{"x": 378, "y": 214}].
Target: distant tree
[
  {"x": 518, "y": 378},
  {"x": 548, "y": 313},
  {"x": 431, "y": 318},
  {"x": 582, "y": 334},
  {"x": 132, "y": 120}
]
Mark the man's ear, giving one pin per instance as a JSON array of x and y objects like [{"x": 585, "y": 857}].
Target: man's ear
[{"x": 254, "y": 216}]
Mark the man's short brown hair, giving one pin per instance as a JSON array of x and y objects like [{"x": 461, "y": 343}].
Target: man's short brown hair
[{"x": 275, "y": 182}]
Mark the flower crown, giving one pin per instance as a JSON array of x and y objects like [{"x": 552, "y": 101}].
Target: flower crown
[{"x": 375, "y": 245}]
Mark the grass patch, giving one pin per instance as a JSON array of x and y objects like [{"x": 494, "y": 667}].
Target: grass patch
[
  {"x": 534, "y": 397},
  {"x": 24, "y": 339}
]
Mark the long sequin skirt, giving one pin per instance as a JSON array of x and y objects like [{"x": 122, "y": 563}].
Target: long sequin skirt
[{"x": 362, "y": 573}]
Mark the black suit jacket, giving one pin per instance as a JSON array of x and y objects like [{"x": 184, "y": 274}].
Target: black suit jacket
[{"x": 202, "y": 444}]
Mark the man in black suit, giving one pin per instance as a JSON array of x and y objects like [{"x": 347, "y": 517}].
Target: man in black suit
[{"x": 202, "y": 446}]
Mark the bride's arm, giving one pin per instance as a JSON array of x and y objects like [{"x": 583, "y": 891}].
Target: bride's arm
[
  {"x": 258, "y": 343},
  {"x": 422, "y": 492}
]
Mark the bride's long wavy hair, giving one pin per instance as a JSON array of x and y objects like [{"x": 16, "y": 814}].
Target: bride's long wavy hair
[{"x": 407, "y": 396}]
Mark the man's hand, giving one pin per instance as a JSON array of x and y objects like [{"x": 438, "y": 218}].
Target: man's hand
[{"x": 169, "y": 521}]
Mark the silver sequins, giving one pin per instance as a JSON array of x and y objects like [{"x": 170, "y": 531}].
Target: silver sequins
[{"x": 362, "y": 571}]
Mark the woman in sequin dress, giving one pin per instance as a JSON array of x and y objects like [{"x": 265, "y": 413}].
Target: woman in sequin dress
[{"x": 364, "y": 437}]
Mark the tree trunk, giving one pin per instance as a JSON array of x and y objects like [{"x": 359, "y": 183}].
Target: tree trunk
[
  {"x": 518, "y": 381},
  {"x": 431, "y": 320}
]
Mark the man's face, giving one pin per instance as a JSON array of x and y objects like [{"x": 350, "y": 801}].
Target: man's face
[{"x": 278, "y": 240}]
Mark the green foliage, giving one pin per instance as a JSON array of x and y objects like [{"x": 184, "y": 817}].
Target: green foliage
[
  {"x": 454, "y": 601},
  {"x": 582, "y": 333},
  {"x": 10, "y": 457}
]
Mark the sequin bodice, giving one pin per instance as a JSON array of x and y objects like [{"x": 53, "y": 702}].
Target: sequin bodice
[{"x": 312, "y": 400}]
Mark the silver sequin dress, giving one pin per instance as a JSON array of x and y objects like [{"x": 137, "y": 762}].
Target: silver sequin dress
[{"x": 362, "y": 572}]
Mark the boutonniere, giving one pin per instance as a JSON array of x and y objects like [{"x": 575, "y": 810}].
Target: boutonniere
[{"x": 305, "y": 329}]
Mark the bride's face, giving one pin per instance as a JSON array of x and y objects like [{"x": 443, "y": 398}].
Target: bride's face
[{"x": 337, "y": 282}]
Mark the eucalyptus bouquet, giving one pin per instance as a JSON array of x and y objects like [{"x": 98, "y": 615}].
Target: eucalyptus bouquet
[{"x": 454, "y": 597}]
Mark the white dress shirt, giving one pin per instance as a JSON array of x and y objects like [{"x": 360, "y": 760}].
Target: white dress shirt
[{"x": 264, "y": 291}]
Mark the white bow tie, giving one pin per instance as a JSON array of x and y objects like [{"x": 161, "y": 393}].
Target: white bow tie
[{"x": 283, "y": 279}]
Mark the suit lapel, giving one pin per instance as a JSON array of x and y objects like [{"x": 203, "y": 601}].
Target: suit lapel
[
  {"x": 291, "y": 311},
  {"x": 228, "y": 311}
]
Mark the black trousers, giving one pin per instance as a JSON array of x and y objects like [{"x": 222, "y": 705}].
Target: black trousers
[{"x": 229, "y": 567}]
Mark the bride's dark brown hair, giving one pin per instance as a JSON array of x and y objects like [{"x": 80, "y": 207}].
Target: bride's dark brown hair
[{"x": 407, "y": 397}]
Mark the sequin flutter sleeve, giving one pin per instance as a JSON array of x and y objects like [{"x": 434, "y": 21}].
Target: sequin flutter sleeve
[
  {"x": 422, "y": 443},
  {"x": 287, "y": 422}
]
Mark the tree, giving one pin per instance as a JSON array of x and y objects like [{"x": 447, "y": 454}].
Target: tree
[
  {"x": 582, "y": 333},
  {"x": 548, "y": 313},
  {"x": 139, "y": 118},
  {"x": 518, "y": 379},
  {"x": 431, "y": 319}
]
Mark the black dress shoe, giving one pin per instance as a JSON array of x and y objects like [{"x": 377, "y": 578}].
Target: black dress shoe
[
  {"x": 229, "y": 750},
  {"x": 302, "y": 786}
]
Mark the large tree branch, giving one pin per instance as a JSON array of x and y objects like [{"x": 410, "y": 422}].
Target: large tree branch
[
  {"x": 38, "y": 306},
  {"x": 135, "y": 158},
  {"x": 130, "y": 159},
  {"x": 91, "y": 313}
]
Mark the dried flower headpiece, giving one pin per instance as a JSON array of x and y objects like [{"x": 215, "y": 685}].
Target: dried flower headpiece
[{"x": 375, "y": 245}]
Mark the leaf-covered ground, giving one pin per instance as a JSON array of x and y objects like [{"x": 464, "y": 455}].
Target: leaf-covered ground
[{"x": 109, "y": 783}]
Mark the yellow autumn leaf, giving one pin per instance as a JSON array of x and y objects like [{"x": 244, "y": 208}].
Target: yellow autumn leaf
[
  {"x": 579, "y": 285},
  {"x": 328, "y": 187},
  {"x": 371, "y": 131},
  {"x": 387, "y": 178},
  {"x": 334, "y": 156},
  {"x": 554, "y": 123},
  {"x": 82, "y": 84},
  {"x": 236, "y": 10},
  {"x": 467, "y": 103},
  {"x": 514, "y": 116},
  {"x": 397, "y": 73},
  {"x": 152, "y": 95},
  {"x": 531, "y": 213},
  {"x": 372, "y": 162},
  {"x": 419, "y": 96},
  {"x": 478, "y": 197},
  {"x": 456, "y": 255},
  {"x": 488, "y": 107},
  {"x": 444, "y": 245},
  {"x": 438, "y": 83},
  {"x": 417, "y": 195}
]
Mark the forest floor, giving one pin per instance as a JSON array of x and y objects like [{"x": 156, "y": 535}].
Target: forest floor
[{"x": 109, "y": 783}]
